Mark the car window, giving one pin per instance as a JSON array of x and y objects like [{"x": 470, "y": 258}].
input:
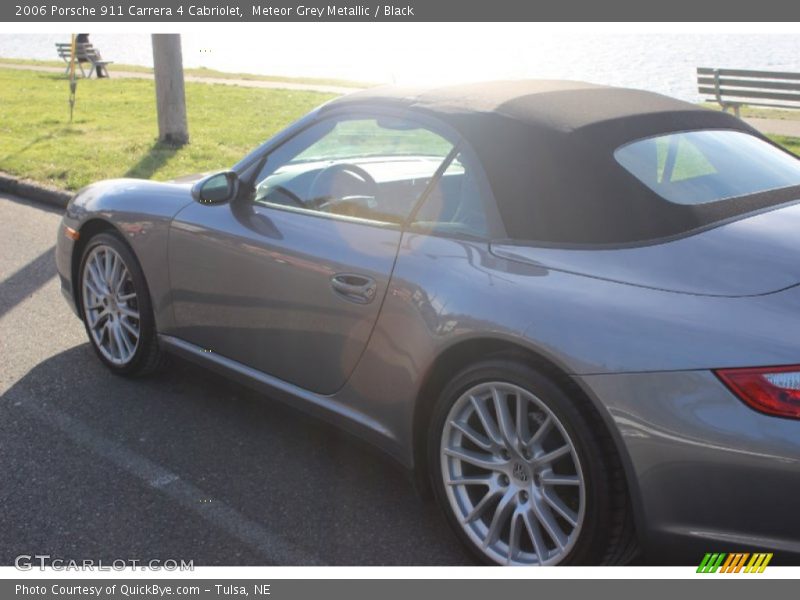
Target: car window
[
  {"x": 370, "y": 168},
  {"x": 455, "y": 203},
  {"x": 696, "y": 167}
]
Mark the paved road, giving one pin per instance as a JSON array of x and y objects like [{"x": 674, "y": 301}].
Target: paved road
[
  {"x": 777, "y": 126},
  {"x": 255, "y": 83},
  {"x": 184, "y": 465}
]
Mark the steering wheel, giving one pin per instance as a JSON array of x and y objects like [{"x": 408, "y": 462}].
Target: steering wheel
[
  {"x": 319, "y": 191},
  {"x": 290, "y": 195},
  {"x": 267, "y": 195}
]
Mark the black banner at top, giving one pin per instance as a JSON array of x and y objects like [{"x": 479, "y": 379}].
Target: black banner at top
[{"x": 401, "y": 10}]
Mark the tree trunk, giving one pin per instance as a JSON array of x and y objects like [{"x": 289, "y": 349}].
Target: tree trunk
[{"x": 170, "y": 95}]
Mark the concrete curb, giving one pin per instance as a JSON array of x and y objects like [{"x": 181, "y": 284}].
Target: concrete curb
[{"x": 34, "y": 191}]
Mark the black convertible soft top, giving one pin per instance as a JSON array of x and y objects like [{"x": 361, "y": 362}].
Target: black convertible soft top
[{"x": 548, "y": 151}]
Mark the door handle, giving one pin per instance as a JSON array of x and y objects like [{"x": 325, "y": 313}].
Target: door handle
[{"x": 356, "y": 288}]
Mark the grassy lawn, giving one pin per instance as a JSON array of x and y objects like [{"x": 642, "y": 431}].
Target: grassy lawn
[
  {"x": 761, "y": 112},
  {"x": 201, "y": 72},
  {"x": 114, "y": 130},
  {"x": 791, "y": 143}
]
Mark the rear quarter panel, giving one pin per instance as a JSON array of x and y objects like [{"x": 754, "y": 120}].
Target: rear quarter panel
[
  {"x": 446, "y": 291},
  {"x": 710, "y": 473}
]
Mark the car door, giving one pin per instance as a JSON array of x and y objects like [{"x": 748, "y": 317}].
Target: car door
[{"x": 289, "y": 278}]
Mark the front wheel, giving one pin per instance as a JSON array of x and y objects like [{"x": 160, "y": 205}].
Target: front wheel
[
  {"x": 521, "y": 472},
  {"x": 116, "y": 308}
]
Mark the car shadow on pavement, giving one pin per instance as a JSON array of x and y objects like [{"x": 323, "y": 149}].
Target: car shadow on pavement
[
  {"x": 20, "y": 285},
  {"x": 188, "y": 465}
]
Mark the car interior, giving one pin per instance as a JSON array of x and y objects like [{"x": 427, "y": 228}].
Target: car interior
[{"x": 382, "y": 189}]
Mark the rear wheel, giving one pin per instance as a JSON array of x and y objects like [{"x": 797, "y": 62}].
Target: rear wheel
[
  {"x": 521, "y": 473},
  {"x": 116, "y": 307}
]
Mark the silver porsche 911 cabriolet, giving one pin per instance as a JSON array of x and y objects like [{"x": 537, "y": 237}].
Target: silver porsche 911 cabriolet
[{"x": 572, "y": 311}]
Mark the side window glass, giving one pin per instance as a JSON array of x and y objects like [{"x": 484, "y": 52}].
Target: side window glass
[
  {"x": 455, "y": 204},
  {"x": 369, "y": 168}
]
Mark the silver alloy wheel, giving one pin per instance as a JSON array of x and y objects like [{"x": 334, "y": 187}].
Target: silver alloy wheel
[
  {"x": 110, "y": 305},
  {"x": 512, "y": 475}
]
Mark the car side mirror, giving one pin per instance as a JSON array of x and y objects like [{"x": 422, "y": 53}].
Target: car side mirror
[{"x": 217, "y": 189}]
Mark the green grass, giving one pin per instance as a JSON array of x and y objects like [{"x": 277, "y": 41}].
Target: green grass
[
  {"x": 114, "y": 130},
  {"x": 790, "y": 143},
  {"x": 202, "y": 72},
  {"x": 761, "y": 112},
  {"x": 756, "y": 112}
]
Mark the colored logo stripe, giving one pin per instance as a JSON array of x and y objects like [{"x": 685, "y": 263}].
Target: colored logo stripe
[
  {"x": 711, "y": 562},
  {"x": 758, "y": 563},
  {"x": 734, "y": 562}
]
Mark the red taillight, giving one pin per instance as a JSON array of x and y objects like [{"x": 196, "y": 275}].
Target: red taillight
[{"x": 771, "y": 390}]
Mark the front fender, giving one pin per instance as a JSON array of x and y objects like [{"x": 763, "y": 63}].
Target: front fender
[{"x": 141, "y": 212}]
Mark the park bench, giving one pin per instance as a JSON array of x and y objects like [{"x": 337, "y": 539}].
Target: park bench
[
  {"x": 84, "y": 54},
  {"x": 733, "y": 87}
]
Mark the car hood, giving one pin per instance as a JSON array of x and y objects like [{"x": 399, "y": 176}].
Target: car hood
[
  {"x": 132, "y": 186},
  {"x": 132, "y": 196},
  {"x": 751, "y": 256},
  {"x": 190, "y": 179}
]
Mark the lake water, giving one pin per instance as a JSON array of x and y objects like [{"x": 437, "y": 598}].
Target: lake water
[{"x": 433, "y": 53}]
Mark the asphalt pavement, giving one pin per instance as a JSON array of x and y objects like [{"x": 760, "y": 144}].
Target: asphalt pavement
[{"x": 184, "y": 465}]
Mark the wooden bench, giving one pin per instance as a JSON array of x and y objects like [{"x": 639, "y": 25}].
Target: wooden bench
[
  {"x": 733, "y": 87},
  {"x": 84, "y": 54}
]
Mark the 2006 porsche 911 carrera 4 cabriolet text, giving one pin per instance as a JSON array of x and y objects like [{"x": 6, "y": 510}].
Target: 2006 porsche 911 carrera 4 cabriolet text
[{"x": 571, "y": 310}]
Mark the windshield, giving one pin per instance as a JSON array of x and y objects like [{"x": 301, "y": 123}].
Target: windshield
[
  {"x": 698, "y": 167},
  {"x": 360, "y": 138}
]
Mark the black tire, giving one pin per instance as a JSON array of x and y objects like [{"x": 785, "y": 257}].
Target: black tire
[
  {"x": 607, "y": 534},
  {"x": 148, "y": 357}
]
